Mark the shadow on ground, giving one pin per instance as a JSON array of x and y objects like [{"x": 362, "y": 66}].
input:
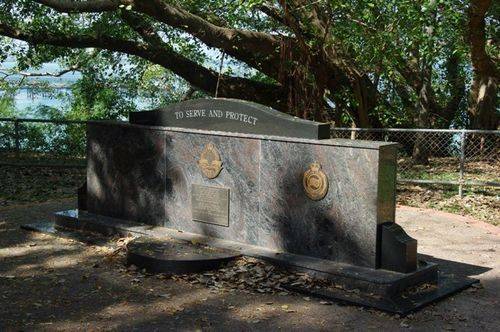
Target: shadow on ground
[
  {"x": 458, "y": 268},
  {"x": 49, "y": 283}
]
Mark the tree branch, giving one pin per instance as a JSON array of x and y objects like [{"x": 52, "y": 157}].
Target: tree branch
[
  {"x": 197, "y": 75},
  {"x": 95, "y": 6},
  {"x": 8, "y": 73},
  {"x": 481, "y": 61},
  {"x": 273, "y": 13},
  {"x": 252, "y": 47},
  {"x": 257, "y": 49},
  {"x": 143, "y": 28}
]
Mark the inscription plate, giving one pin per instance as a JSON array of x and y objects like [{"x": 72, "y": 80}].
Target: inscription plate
[{"x": 210, "y": 204}]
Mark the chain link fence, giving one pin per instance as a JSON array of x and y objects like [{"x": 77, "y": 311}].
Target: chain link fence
[
  {"x": 440, "y": 156},
  {"x": 426, "y": 156}
]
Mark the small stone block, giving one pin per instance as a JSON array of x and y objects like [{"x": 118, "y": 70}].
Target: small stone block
[{"x": 398, "y": 249}]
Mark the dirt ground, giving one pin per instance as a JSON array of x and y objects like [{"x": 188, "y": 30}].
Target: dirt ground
[
  {"x": 50, "y": 283},
  {"x": 38, "y": 184},
  {"x": 477, "y": 203}
]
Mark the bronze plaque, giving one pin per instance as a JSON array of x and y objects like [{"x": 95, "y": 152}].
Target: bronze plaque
[
  {"x": 210, "y": 162},
  {"x": 315, "y": 182},
  {"x": 210, "y": 204}
]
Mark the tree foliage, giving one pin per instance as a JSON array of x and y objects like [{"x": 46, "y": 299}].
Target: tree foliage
[{"x": 374, "y": 63}]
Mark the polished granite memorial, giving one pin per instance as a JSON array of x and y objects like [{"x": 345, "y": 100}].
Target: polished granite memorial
[
  {"x": 152, "y": 174},
  {"x": 246, "y": 177}
]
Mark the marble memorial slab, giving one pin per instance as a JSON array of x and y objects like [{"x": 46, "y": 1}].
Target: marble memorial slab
[{"x": 150, "y": 175}]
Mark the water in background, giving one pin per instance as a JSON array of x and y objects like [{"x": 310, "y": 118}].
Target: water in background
[{"x": 27, "y": 100}]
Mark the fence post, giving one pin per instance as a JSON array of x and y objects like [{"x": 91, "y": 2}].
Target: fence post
[
  {"x": 353, "y": 132},
  {"x": 462, "y": 164},
  {"x": 16, "y": 137}
]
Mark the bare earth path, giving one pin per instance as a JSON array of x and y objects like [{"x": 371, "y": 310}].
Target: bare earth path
[{"x": 49, "y": 283}]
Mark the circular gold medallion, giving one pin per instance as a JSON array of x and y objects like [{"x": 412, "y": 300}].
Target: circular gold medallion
[
  {"x": 210, "y": 162},
  {"x": 315, "y": 182}
]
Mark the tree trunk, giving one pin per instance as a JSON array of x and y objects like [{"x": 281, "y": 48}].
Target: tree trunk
[
  {"x": 422, "y": 120},
  {"x": 364, "y": 105},
  {"x": 483, "y": 99},
  {"x": 483, "y": 103}
]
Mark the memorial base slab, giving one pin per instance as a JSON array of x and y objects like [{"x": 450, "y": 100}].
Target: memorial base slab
[
  {"x": 176, "y": 257},
  {"x": 390, "y": 291}
]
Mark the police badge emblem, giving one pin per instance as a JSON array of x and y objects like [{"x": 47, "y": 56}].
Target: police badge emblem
[
  {"x": 315, "y": 182},
  {"x": 210, "y": 162}
]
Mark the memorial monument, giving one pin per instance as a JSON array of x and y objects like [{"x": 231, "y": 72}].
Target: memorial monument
[{"x": 250, "y": 180}]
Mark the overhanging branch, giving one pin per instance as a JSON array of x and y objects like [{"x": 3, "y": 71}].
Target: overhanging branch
[
  {"x": 257, "y": 49},
  {"x": 197, "y": 75},
  {"x": 91, "y": 6},
  {"x": 8, "y": 73}
]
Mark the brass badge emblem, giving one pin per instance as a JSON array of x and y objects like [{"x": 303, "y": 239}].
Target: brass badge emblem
[
  {"x": 315, "y": 182},
  {"x": 210, "y": 163}
]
